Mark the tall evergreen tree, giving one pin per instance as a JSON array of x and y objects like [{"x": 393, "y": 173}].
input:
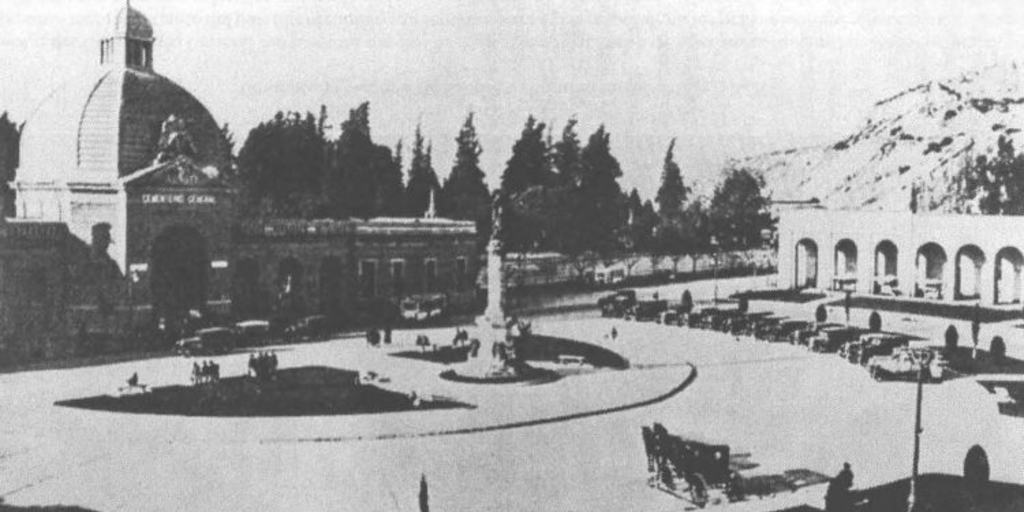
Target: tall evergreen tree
[
  {"x": 465, "y": 194},
  {"x": 672, "y": 193},
  {"x": 739, "y": 211},
  {"x": 565, "y": 155},
  {"x": 280, "y": 167},
  {"x": 422, "y": 178},
  {"x": 529, "y": 165},
  {"x": 10, "y": 140},
  {"x": 599, "y": 214}
]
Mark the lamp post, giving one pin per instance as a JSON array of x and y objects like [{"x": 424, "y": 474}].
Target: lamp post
[
  {"x": 714, "y": 272},
  {"x": 912, "y": 496}
]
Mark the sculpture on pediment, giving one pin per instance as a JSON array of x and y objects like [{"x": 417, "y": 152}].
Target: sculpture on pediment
[{"x": 175, "y": 141}]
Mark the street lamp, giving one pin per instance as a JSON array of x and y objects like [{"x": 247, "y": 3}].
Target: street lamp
[
  {"x": 714, "y": 272},
  {"x": 912, "y": 497}
]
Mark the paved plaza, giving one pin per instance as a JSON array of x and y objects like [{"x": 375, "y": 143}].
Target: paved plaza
[{"x": 551, "y": 447}]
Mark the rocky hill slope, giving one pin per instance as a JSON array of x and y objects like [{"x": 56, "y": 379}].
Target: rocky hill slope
[{"x": 918, "y": 139}]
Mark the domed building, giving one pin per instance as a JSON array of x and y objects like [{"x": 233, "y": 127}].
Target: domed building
[{"x": 124, "y": 222}]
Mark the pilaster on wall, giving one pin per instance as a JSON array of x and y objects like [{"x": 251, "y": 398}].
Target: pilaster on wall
[
  {"x": 865, "y": 266},
  {"x": 987, "y": 281},
  {"x": 906, "y": 270},
  {"x": 949, "y": 277}
]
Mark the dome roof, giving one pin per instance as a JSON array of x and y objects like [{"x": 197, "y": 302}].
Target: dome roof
[
  {"x": 107, "y": 125},
  {"x": 132, "y": 24}
]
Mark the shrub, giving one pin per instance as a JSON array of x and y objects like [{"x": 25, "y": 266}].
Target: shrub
[
  {"x": 998, "y": 350},
  {"x": 686, "y": 302},
  {"x": 744, "y": 305},
  {"x": 820, "y": 314},
  {"x": 875, "y": 322},
  {"x": 952, "y": 337}
]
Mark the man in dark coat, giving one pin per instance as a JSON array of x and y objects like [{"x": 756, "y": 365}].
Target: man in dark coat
[{"x": 839, "y": 498}]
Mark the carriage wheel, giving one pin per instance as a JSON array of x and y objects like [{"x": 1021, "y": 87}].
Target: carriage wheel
[{"x": 698, "y": 490}]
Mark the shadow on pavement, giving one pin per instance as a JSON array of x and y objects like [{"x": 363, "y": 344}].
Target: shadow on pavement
[{"x": 936, "y": 493}]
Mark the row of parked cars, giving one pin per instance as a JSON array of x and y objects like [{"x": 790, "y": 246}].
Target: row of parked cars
[
  {"x": 885, "y": 355},
  {"x": 223, "y": 339}
]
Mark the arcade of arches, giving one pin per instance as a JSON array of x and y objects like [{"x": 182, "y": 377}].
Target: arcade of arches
[{"x": 938, "y": 257}]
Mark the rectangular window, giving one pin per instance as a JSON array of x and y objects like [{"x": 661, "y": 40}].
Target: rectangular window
[
  {"x": 368, "y": 279},
  {"x": 461, "y": 273},
  {"x": 430, "y": 275},
  {"x": 398, "y": 277}
]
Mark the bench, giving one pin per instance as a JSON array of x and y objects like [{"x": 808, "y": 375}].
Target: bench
[{"x": 128, "y": 390}]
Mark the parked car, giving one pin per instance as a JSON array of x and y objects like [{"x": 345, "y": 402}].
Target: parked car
[
  {"x": 764, "y": 327},
  {"x": 307, "y": 328},
  {"x": 904, "y": 362},
  {"x": 616, "y": 304},
  {"x": 872, "y": 344},
  {"x": 803, "y": 336},
  {"x": 209, "y": 341},
  {"x": 831, "y": 339},
  {"x": 252, "y": 332},
  {"x": 424, "y": 308},
  {"x": 783, "y": 331},
  {"x": 670, "y": 317},
  {"x": 647, "y": 310}
]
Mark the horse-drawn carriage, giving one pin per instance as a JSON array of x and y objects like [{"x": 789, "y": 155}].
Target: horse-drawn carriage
[{"x": 688, "y": 468}]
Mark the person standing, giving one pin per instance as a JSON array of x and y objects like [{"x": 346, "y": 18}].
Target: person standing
[{"x": 839, "y": 497}]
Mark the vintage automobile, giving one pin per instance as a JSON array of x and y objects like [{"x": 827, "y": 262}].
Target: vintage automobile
[
  {"x": 308, "y": 328},
  {"x": 754, "y": 321},
  {"x": 904, "y": 363},
  {"x": 616, "y": 304},
  {"x": 670, "y": 317},
  {"x": 209, "y": 341},
  {"x": 872, "y": 344},
  {"x": 647, "y": 310},
  {"x": 783, "y": 330},
  {"x": 831, "y": 339},
  {"x": 424, "y": 308},
  {"x": 803, "y": 336},
  {"x": 252, "y": 332}
]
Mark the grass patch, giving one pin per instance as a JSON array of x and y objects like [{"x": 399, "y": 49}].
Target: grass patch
[
  {"x": 533, "y": 348},
  {"x": 305, "y": 391},
  {"x": 942, "y": 310}
]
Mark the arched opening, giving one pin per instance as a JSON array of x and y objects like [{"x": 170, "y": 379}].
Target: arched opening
[
  {"x": 1007, "y": 275},
  {"x": 331, "y": 276},
  {"x": 245, "y": 299},
  {"x": 845, "y": 266},
  {"x": 976, "y": 467},
  {"x": 969, "y": 261},
  {"x": 886, "y": 255},
  {"x": 180, "y": 267},
  {"x": 930, "y": 264},
  {"x": 290, "y": 276},
  {"x": 806, "y": 266}
]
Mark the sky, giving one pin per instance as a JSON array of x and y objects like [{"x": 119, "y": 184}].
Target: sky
[{"x": 726, "y": 78}]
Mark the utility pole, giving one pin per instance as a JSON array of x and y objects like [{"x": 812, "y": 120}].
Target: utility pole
[
  {"x": 714, "y": 249},
  {"x": 912, "y": 498}
]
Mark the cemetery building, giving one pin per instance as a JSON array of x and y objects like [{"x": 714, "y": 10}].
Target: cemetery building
[{"x": 124, "y": 221}]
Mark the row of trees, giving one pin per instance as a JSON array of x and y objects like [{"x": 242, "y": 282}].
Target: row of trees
[
  {"x": 288, "y": 167},
  {"x": 564, "y": 196}
]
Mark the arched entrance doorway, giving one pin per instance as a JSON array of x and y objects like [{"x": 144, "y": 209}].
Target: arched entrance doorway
[
  {"x": 245, "y": 299},
  {"x": 845, "y": 265},
  {"x": 1007, "y": 278},
  {"x": 976, "y": 467},
  {"x": 886, "y": 255},
  {"x": 180, "y": 265},
  {"x": 331, "y": 274},
  {"x": 806, "y": 266},
  {"x": 930, "y": 264},
  {"x": 969, "y": 261}
]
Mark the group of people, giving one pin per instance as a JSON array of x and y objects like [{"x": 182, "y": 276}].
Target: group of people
[
  {"x": 374, "y": 337},
  {"x": 207, "y": 373},
  {"x": 263, "y": 365}
]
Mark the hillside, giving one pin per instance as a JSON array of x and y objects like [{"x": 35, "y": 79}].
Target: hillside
[{"x": 919, "y": 138}]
